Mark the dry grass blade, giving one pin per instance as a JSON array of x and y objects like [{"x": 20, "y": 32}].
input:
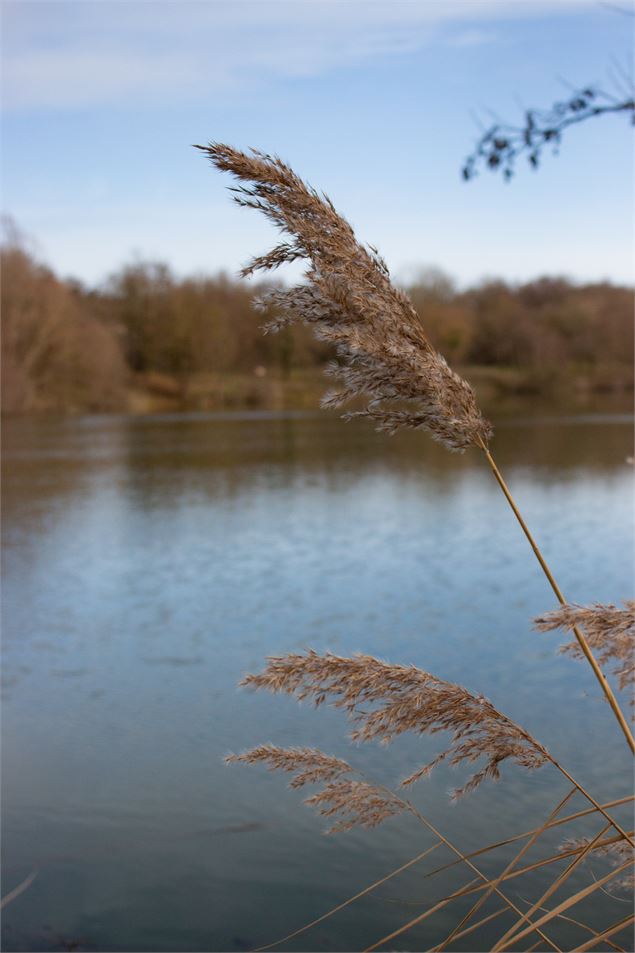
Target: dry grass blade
[
  {"x": 345, "y": 903},
  {"x": 610, "y": 931},
  {"x": 568, "y": 849},
  {"x": 536, "y": 865},
  {"x": 566, "y": 904},
  {"x": 478, "y": 924},
  {"x": 627, "y": 837},
  {"x": 13, "y": 894},
  {"x": 526, "y": 847},
  {"x": 557, "y": 883},
  {"x": 617, "y": 853},
  {"x": 404, "y": 698},
  {"x": 481, "y": 875},
  {"x": 383, "y": 353},
  {"x": 474, "y": 887},
  {"x": 354, "y": 803},
  {"x": 510, "y": 840},
  {"x": 583, "y": 926},
  {"x": 609, "y": 631},
  {"x": 501, "y": 910},
  {"x": 469, "y": 888},
  {"x": 582, "y": 642}
]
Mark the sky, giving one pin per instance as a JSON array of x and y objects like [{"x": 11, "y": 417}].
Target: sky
[{"x": 376, "y": 102}]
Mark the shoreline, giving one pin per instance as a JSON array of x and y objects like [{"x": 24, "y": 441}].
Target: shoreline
[{"x": 500, "y": 391}]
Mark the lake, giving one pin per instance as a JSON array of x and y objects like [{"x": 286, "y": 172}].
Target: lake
[{"x": 149, "y": 563}]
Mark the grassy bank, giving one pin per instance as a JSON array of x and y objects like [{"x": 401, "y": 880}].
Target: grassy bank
[{"x": 497, "y": 388}]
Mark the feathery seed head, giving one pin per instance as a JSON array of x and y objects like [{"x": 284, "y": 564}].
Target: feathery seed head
[
  {"x": 618, "y": 852},
  {"x": 356, "y": 803},
  {"x": 609, "y": 630},
  {"x": 308, "y": 765},
  {"x": 383, "y": 354},
  {"x": 400, "y": 698}
]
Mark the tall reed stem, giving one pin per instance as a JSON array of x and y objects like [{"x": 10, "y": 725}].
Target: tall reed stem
[{"x": 599, "y": 674}]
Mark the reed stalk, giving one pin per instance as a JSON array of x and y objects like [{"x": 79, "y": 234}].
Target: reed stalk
[
  {"x": 385, "y": 361},
  {"x": 582, "y": 642},
  {"x": 357, "y": 896},
  {"x": 493, "y": 886},
  {"x": 510, "y": 866},
  {"x": 569, "y": 902},
  {"x": 611, "y": 931},
  {"x": 558, "y": 882},
  {"x": 476, "y": 853},
  {"x": 470, "y": 888}
]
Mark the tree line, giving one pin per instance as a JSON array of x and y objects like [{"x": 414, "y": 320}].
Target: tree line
[{"x": 68, "y": 348}]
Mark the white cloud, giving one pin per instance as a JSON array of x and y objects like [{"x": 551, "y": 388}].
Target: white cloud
[{"x": 117, "y": 52}]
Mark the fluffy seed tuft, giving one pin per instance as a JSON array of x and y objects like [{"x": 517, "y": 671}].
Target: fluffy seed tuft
[
  {"x": 357, "y": 803},
  {"x": 609, "y": 630},
  {"x": 400, "y": 698},
  {"x": 384, "y": 357},
  {"x": 308, "y": 765}
]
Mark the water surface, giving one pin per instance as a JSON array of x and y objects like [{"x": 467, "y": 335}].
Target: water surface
[{"x": 150, "y": 562}]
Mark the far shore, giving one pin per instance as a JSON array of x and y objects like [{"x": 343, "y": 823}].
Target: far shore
[{"x": 500, "y": 391}]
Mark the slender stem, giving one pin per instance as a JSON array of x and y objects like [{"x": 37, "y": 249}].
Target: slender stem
[
  {"x": 584, "y": 645},
  {"x": 479, "y": 873},
  {"x": 626, "y": 922},
  {"x": 474, "y": 887},
  {"x": 9, "y": 897},
  {"x": 539, "y": 904},
  {"x": 583, "y": 926},
  {"x": 570, "y": 902},
  {"x": 517, "y": 837},
  {"x": 485, "y": 896},
  {"x": 459, "y": 860},
  {"x": 592, "y": 800},
  {"x": 345, "y": 903}
]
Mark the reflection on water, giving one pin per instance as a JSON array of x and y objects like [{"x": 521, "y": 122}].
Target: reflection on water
[{"x": 149, "y": 563}]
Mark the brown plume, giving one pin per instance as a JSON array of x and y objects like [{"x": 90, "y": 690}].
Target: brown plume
[
  {"x": 308, "y": 765},
  {"x": 609, "y": 631},
  {"x": 356, "y": 802},
  {"x": 383, "y": 354},
  {"x": 617, "y": 853},
  {"x": 400, "y": 698}
]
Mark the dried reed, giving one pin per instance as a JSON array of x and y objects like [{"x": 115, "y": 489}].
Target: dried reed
[
  {"x": 357, "y": 803},
  {"x": 617, "y": 852},
  {"x": 385, "y": 359},
  {"x": 383, "y": 353},
  {"x": 565, "y": 851},
  {"x": 308, "y": 765},
  {"x": 609, "y": 630},
  {"x": 400, "y": 698}
]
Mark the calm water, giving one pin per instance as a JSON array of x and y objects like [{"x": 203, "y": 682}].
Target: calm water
[{"x": 149, "y": 563}]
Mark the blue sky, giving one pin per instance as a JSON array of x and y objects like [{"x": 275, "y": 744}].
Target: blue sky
[{"x": 371, "y": 100}]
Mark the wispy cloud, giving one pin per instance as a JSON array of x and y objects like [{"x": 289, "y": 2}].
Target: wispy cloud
[
  {"x": 83, "y": 54},
  {"x": 465, "y": 38}
]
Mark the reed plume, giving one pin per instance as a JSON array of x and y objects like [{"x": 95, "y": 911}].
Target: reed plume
[
  {"x": 401, "y": 698},
  {"x": 384, "y": 356},
  {"x": 617, "y": 853},
  {"x": 383, "y": 353},
  {"x": 385, "y": 360},
  {"x": 357, "y": 803},
  {"x": 609, "y": 630},
  {"x": 308, "y": 765}
]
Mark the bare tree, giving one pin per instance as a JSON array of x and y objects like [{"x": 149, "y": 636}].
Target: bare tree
[{"x": 502, "y": 144}]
